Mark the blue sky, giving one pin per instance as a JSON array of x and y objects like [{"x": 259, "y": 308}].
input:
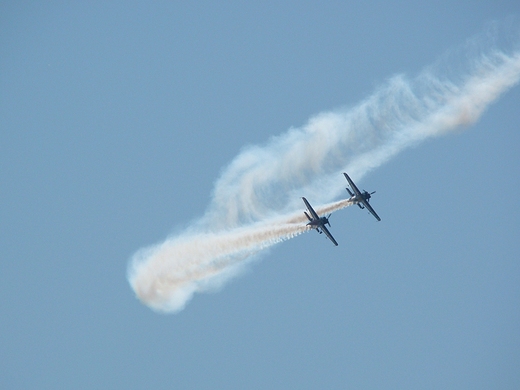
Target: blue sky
[{"x": 116, "y": 121}]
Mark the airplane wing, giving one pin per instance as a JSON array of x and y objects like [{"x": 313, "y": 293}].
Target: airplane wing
[
  {"x": 327, "y": 233},
  {"x": 352, "y": 185},
  {"x": 369, "y": 208},
  {"x": 311, "y": 210}
]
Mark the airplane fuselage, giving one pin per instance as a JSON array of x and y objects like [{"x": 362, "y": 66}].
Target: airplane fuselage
[
  {"x": 360, "y": 200},
  {"x": 320, "y": 222}
]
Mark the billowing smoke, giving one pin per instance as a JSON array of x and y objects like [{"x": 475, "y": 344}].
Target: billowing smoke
[{"x": 257, "y": 201}]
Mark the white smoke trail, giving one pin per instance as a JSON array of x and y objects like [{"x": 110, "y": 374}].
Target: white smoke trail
[
  {"x": 264, "y": 182},
  {"x": 165, "y": 276}
]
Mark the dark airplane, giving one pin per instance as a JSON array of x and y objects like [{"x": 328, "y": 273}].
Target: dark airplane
[
  {"x": 317, "y": 222},
  {"x": 360, "y": 198}
]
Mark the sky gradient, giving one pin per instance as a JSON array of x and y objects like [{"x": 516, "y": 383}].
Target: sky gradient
[{"x": 117, "y": 121}]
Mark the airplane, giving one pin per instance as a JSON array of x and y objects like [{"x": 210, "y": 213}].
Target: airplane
[
  {"x": 317, "y": 222},
  {"x": 360, "y": 198}
]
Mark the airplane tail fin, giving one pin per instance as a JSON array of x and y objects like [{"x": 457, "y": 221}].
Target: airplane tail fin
[
  {"x": 307, "y": 215},
  {"x": 349, "y": 192}
]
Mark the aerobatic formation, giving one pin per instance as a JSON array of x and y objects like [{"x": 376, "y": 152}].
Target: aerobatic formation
[
  {"x": 256, "y": 202},
  {"x": 356, "y": 197}
]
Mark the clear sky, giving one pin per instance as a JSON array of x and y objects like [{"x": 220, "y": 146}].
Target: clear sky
[{"x": 116, "y": 120}]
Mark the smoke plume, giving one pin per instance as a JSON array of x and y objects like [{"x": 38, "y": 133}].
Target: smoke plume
[{"x": 257, "y": 200}]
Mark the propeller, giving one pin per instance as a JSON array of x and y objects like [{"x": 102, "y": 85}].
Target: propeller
[{"x": 367, "y": 194}]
